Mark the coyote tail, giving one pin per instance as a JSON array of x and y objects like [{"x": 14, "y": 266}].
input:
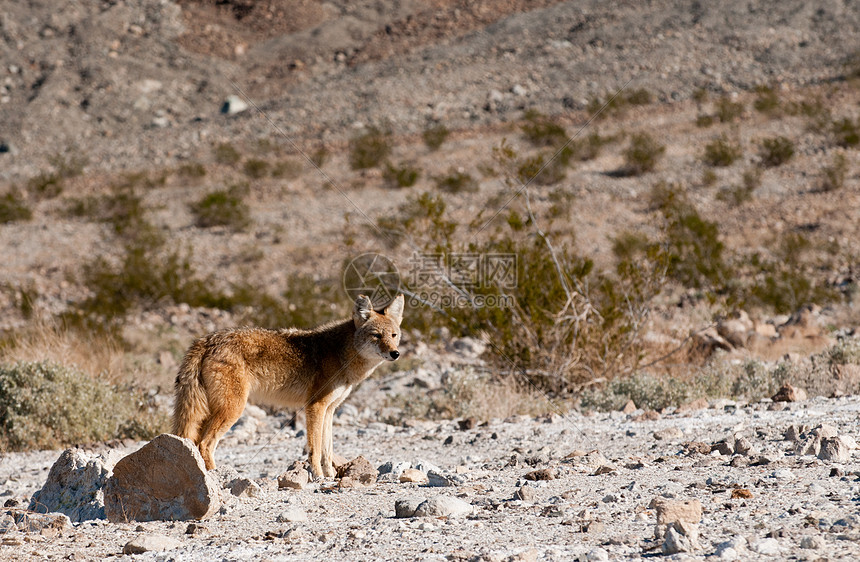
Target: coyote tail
[{"x": 191, "y": 406}]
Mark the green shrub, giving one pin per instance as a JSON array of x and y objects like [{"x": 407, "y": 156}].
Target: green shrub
[
  {"x": 226, "y": 153},
  {"x": 192, "y": 170},
  {"x": 435, "y": 136},
  {"x": 13, "y": 208},
  {"x": 642, "y": 155},
  {"x": 49, "y": 406},
  {"x": 404, "y": 175},
  {"x": 222, "y": 208},
  {"x": 704, "y": 121},
  {"x": 833, "y": 176},
  {"x": 846, "y": 132},
  {"x": 766, "y": 101},
  {"x": 709, "y": 177},
  {"x": 776, "y": 151},
  {"x": 722, "y": 152},
  {"x": 728, "y": 111},
  {"x": 538, "y": 171},
  {"x": 46, "y": 185},
  {"x": 589, "y": 148},
  {"x": 288, "y": 169},
  {"x": 369, "y": 149},
  {"x": 320, "y": 156},
  {"x": 783, "y": 283},
  {"x": 617, "y": 104},
  {"x": 694, "y": 251},
  {"x": 541, "y": 130},
  {"x": 456, "y": 182},
  {"x": 740, "y": 194},
  {"x": 255, "y": 168}
]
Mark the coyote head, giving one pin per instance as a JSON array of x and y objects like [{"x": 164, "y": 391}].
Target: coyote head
[{"x": 377, "y": 334}]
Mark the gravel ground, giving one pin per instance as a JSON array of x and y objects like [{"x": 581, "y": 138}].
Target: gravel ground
[{"x": 792, "y": 499}]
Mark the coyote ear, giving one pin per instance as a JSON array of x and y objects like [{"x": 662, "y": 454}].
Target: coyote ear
[
  {"x": 395, "y": 309},
  {"x": 361, "y": 311}
]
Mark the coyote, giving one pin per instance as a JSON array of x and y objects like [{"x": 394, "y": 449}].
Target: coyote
[{"x": 314, "y": 368}]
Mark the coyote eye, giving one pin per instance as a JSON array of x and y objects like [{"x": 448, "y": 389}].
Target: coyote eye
[
  {"x": 377, "y": 336},
  {"x": 394, "y": 335}
]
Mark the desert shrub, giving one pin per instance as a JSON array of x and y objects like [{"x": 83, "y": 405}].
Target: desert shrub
[
  {"x": 766, "y": 101},
  {"x": 192, "y": 170},
  {"x": 722, "y": 152},
  {"x": 404, "y": 175},
  {"x": 46, "y": 185},
  {"x": 226, "y": 153},
  {"x": 776, "y": 151},
  {"x": 255, "y": 168},
  {"x": 642, "y": 155},
  {"x": 783, "y": 283},
  {"x": 369, "y": 148},
  {"x": 740, "y": 194},
  {"x": 833, "y": 176},
  {"x": 618, "y": 103},
  {"x": 846, "y": 132},
  {"x": 49, "y": 406},
  {"x": 709, "y": 177},
  {"x": 589, "y": 148},
  {"x": 704, "y": 120},
  {"x": 541, "y": 130},
  {"x": 543, "y": 169},
  {"x": 435, "y": 136},
  {"x": 456, "y": 181},
  {"x": 307, "y": 301},
  {"x": 694, "y": 251},
  {"x": 728, "y": 110},
  {"x": 288, "y": 169},
  {"x": 224, "y": 207},
  {"x": 13, "y": 208},
  {"x": 320, "y": 156}
]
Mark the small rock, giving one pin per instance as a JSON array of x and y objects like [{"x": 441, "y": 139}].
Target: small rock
[
  {"x": 744, "y": 447},
  {"x": 783, "y": 474},
  {"x": 794, "y": 432},
  {"x": 394, "y": 467},
  {"x": 723, "y": 448},
  {"x": 681, "y": 537},
  {"x": 468, "y": 423},
  {"x": 445, "y": 480},
  {"x": 834, "y": 449},
  {"x": 604, "y": 469},
  {"x": 670, "y": 511},
  {"x": 296, "y": 477},
  {"x": 165, "y": 479},
  {"x": 741, "y": 493},
  {"x": 789, "y": 393},
  {"x": 244, "y": 488},
  {"x": 629, "y": 407},
  {"x": 233, "y": 105},
  {"x": 293, "y": 514},
  {"x": 766, "y": 547},
  {"x": 150, "y": 543},
  {"x": 825, "y": 431},
  {"x": 413, "y": 475},
  {"x": 443, "y": 506},
  {"x": 697, "y": 404},
  {"x": 597, "y": 554},
  {"x": 697, "y": 447},
  {"x": 669, "y": 434},
  {"x": 405, "y": 507},
  {"x": 541, "y": 474},
  {"x": 75, "y": 486},
  {"x": 813, "y": 542},
  {"x": 525, "y": 493}
]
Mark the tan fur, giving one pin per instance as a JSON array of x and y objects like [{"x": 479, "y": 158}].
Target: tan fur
[{"x": 315, "y": 369}]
